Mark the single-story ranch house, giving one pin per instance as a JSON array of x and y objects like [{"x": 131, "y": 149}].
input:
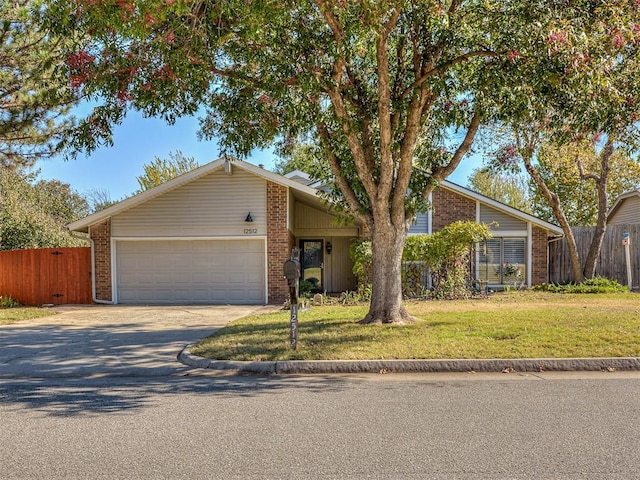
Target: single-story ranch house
[{"x": 221, "y": 233}]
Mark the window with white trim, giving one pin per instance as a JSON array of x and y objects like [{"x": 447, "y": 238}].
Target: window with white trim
[{"x": 502, "y": 261}]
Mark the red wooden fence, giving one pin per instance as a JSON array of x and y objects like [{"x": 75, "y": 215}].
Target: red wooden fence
[{"x": 47, "y": 275}]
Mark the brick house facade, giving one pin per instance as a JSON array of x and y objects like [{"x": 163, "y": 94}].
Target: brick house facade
[
  {"x": 221, "y": 233},
  {"x": 449, "y": 207},
  {"x": 100, "y": 234},
  {"x": 278, "y": 241}
]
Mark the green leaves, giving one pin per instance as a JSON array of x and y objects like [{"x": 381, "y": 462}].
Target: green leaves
[
  {"x": 35, "y": 97},
  {"x": 161, "y": 170},
  {"x": 34, "y": 213}
]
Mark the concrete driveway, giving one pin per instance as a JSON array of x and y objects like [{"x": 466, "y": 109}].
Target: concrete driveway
[{"x": 105, "y": 340}]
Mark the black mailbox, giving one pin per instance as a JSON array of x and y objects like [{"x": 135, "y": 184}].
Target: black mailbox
[{"x": 291, "y": 269}]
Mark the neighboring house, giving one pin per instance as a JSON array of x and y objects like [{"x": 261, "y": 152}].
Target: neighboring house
[
  {"x": 626, "y": 209},
  {"x": 221, "y": 233}
]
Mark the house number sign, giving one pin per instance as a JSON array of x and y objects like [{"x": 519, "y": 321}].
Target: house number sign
[{"x": 250, "y": 231}]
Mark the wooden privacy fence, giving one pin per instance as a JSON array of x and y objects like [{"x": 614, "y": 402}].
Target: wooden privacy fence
[
  {"x": 47, "y": 275},
  {"x": 611, "y": 262}
]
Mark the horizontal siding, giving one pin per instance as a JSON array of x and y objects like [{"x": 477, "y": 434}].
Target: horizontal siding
[
  {"x": 504, "y": 221},
  {"x": 307, "y": 217},
  {"x": 214, "y": 205},
  {"x": 420, "y": 225},
  {"x": 627, "y": 212}
]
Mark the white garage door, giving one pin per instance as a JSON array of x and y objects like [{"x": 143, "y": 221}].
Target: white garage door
[{"x": 191, "y": 271}]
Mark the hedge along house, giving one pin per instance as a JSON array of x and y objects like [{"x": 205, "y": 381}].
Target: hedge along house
[
  {"x": 216, "y": 235},
  {"x": 520, "y": 241}
]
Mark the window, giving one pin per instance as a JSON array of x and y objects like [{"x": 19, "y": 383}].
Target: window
[{"x": 502, "y": 261}]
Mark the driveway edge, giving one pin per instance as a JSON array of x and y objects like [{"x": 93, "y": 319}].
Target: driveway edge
[{"x": 413, "y": 366}]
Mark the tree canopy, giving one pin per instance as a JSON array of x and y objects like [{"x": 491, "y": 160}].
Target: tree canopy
[
  {"x": 566, "y": 169},
  {"x": 35, "y": 94},
  {"x": 509, "y": 187},
  {"x": 34, "y": 213},
  {"x": 159, "y": 170},
  {"x": 380, "y": 85}
]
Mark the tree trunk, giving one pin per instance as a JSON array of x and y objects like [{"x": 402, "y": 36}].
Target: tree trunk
[
  {"x": 601, "y": 180},
  {"x": 387, "y": 244},
  {"x": 595, "y": 246},
  {"x": 556, "y": 207}
]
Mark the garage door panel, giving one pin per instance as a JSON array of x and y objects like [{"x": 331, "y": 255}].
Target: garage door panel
[{"x": 193, "y": 271}]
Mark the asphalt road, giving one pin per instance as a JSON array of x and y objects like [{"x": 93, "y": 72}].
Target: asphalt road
[{"x": 463, "y": 426}]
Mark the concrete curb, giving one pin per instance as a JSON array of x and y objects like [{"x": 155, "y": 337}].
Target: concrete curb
[{"x": 411, "y": 366}]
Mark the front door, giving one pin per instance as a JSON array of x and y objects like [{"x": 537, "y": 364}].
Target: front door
[{"x": 312, "y": 262}]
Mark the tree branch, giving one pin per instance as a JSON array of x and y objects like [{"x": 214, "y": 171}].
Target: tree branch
[{"x": 346, "y": 189}]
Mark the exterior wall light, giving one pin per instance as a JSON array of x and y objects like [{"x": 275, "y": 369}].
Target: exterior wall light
[
  {"x": 249, "y": 218},
  {"x": 329, "y": 247}
]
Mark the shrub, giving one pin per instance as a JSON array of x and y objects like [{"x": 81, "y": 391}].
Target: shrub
[
  {"x": 592, "y": 285},
  {"x": 9, "y": 302},
  {"x": 305, "y": 288},
  {"x": 445, "y": 254}
]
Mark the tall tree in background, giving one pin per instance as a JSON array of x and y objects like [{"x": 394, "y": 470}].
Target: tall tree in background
[
  {"x": 161, "y": 170},
  {"x": 593, "y": 94},
  {"x": 34, "y": 213},
  {"x": 367, "y": 79},
  {"x": 35, "y": 93},
  {"x": 510, "y": 188},
  {"x": 572, "y": 173}
]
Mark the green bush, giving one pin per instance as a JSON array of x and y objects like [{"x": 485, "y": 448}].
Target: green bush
[
  {"x": 9, "y": 302},
  {"x": 592, "y": 285},
  {"x": 445, "y": 254},
  {"x": 305, "y": 288}
]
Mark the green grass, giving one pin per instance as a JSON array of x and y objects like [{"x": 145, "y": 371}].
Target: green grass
[
  {"x": 510, "y": 325},
  {"x": 11, "y": 315}
]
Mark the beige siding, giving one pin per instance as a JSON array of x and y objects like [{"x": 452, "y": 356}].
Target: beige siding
[
  {"x": 310, "y": 221},
  {"x": 339, "y": 265},
  {"x": 505, "y": 222},
  {"x": 214, "y": 205},
  {"x": 627, "y": 212},
  {"x": 311, "y": 218}
]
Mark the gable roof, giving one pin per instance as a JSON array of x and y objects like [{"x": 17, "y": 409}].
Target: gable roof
[
  {"x": 229, "y": 163},
  {"x": 621, "y": 199},
  {"x": 501, "y": 206},
  {"x": 83, "y": 224}
]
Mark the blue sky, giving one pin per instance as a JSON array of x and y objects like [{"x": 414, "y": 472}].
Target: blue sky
[{"x": 139, "y": 140}]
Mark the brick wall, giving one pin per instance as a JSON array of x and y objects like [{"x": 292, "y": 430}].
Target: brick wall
[
  {"x": 539, "y": 256},
  {"x": 278, "y": 242},
  {"x": 101, "y": 235},
  {"x": 449, "y": 207}
]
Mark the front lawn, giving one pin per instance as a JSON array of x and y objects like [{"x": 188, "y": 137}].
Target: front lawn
[
  {"x": 11, "y": 315},
  {"x": 507, "y": 325}
]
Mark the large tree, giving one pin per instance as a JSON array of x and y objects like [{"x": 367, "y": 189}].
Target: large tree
[
  {"x": 572, "y": 172},
  {"x": 160, "y": 170},
  {"x": 508, "y": 187},
  {"x": 367, "y": 79},
  {"x": 34, "y": 213},
  {"x": 35, "y": 94}
]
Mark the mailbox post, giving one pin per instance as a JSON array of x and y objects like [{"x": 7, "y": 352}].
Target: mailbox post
[{"x": 291, "y": 269}]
